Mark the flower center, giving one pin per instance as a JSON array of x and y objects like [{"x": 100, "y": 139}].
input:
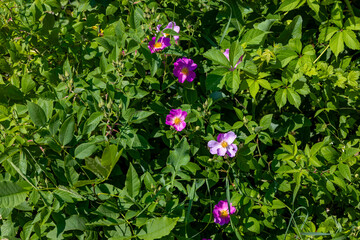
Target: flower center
[
  {"x": 166, "y": 34},
  {"x": 177, "y": 121},
  {"x": 224, "y": 213},
  {"x": 224, "y": 144},
  {"x": 158, "y": 45},
  {"x": 185, "y": 71}
]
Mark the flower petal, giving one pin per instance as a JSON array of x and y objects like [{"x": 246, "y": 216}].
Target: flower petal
[
  {"x": 229, "y": 137},
  {"x": 221, "y": 151},
  {"x": 231, "y": 150},
  {"x": 191, "y": 76},
  {"x": 220, "y": 137}
]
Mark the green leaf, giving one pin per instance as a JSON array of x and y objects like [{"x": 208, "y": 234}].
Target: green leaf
[
  {"x": 352, "y": 23},
  {"x": 350, "y": 40},
  {"x": 285, "y": 56},
  {"x": 293, "y": 97},
  {"x": 85, "y": 150},
  {"x": 236, "y": 51},
  {"x": 132, "y": 182},
  {"x": 280, "y": 97},
  {"x": 232, "y": 80},
  {"x": 92, "y": 122},
  {"x": 180, "y": 155},
  {"x": 68, "y": 195},
  {"x": 264, "y": 83},
  {"x": 345, "y": 171},
  {"x": 67, "y": 131},
  {"x": 157, "y": 228},
  {"x": 11, "y": 194},
  {"x": 254, "y": 37},
  {"x": 110, "y": 157},
  {"x": 37, "y": 114},
  {"x": 337, "y": 43},
  {"x": 293, "y": 30},
  {"x": 217, "y": 56},
  {"x": 265, "y": 121},
  {"x": 253, "y": 87},
  {"x": 289, "y": 5},
  {"x": 252, "y": 224},
  {"x": 27, "y": 84}
]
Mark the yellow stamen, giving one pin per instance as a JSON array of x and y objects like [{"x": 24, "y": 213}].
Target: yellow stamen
[
  {"x": 185, "y": 71},
  {"x": 177, "y": 121},
  {"x": 224, "y": 213},
  {"x": 158, "y": 45},
  {"x": 224, "y": 144}
]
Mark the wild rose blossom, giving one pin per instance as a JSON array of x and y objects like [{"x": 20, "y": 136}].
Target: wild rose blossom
[
  {"x": 171, "y": 25},
  {"x": 176, "y": 118},
  {"x": 159, "y": 45},
  {"x": 226, "y": 53},
  {"x": 184, "y": 69},
  {"x": 223, "y": 145},
  {"x": 221, "y": 212}
]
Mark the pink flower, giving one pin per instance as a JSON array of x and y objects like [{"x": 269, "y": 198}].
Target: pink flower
[
  {"x": 184, "y": 69},
  {"x": 226, "y": 53},
  {"x": 159, "y": 45},
  {"x": 171, "y": 25},
  {"x": 223, "y": 145},
  {"x": 221, "y": 212},
  {"x": 176, "y": 118}
]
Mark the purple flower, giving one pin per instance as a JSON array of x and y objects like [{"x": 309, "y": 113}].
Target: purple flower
[
  {"x": 184, "y": 69},
  {"x": 171, "y": 25},
  {"x": 226, "y": 53},
  {"x": 223, "y": 145},
  {"x": 221, "y": 212},
  {"x": 176, "y": 118},
  {"x": 159, "y": 45}
]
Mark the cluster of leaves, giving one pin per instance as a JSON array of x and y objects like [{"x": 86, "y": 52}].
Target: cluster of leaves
[{"x": 85, "y": 152}]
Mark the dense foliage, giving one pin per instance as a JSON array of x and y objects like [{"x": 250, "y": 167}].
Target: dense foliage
[{"x": 87, "y": 150}]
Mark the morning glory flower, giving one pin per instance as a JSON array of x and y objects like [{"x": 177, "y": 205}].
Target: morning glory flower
[
  {"x": 171, "y": 25},
  {"x": 159, "y": 45},
  {"x": 221, "y": 212},
  {"x": 226, "y": 53},
  {"x": 223, "y": 145},
  {"x": 176, "y": 118},
  {"x": 184, "y": 69}
]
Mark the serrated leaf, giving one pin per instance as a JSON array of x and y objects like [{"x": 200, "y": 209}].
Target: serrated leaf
[
  {"x": 27, "y": 84},
  {"x": 280, "y": 97},
  {"x": 92, "y": 122},
  {"x": 253, "y": 87},
  {"x": 132, "y": 182},
  {"x": 180, "y": 156},
  {"x": 11, "y": 194},
  {"x": 289, "y": 5},
  {"x": 350, "y": 40},
  {"x": 217, "y": 56},
  {"x": 345, "y": 171},
  {"x": 37, "y": 114},
  {"x": 232, "y": 80},
  {"x": 157, "y": 228},
  {"x": 67, "y": 131},
  {"x": 293, "y": 97},
  {"x": 265, "y": 121},
  {"x": 85, "y": 150},
  {"x": 337, "y": 43}
]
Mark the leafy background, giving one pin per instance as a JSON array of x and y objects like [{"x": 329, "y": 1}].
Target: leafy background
[{"x": 86, "y": 154}]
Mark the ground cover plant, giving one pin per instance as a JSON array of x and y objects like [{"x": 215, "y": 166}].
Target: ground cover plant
[{"x": 179, "y": 119}]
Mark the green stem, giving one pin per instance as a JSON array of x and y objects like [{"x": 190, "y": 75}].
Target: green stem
[{"x": 349, "y": 7}]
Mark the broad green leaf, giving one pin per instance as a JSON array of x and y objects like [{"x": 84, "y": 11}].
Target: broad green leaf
[
  {"x": 350, "y": 40},
  {"x": 253, "y": 87},
  {"x": 67, "y": 131},
  {"x": 254, "y": 37},
  {"x": 68, "y": 195},
  {"x": 293, "y": 97},
  {"x": 337, "y": 43},
  {"x": 253, "y": 225},
  {"x": 85, "y": 150},
  {"x": 265, "y": 121},
  {"x": 232, "y": 80},
  {"x": 280, "y": 97},
  {"x": 132, "y": 182},
  {"x": 352, "y": 23},
  {"x": 345, "y": 171},
  {"x": 337, "y": 15},
  {"x": 180, "y": 156},
  {"x": 95, "y": 166},
  {"x": 92, "y": 122},
  {"x": 289, "y": 5},
  {"x": 11, "y": 194},
  {"x": 217, "y": 56},
  {"x": 27, "y": 84},
  {"x": 157, "y": 228},
  {"x": 293, "y": 30},
  {"x": 264, "y": 83},
  {"x": 37, "y": 114},
  {"x": 110, "y": 157},
  {"x": 236, "y": 51},
  {"x": 285, "y": 56}
]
